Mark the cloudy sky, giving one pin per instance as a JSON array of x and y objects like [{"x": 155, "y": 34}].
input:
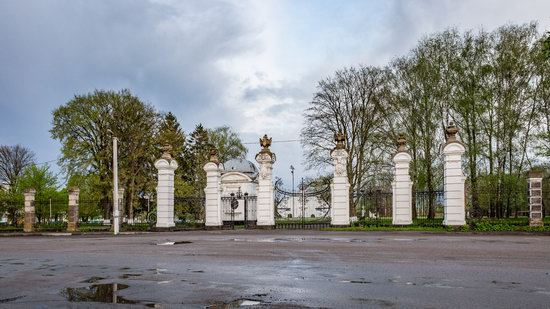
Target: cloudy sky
[{"x": 253, "y": 65}]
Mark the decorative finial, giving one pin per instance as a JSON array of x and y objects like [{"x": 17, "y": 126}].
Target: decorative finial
[
  {"x": 214, "y": 155},
  {"x": 340, "y": 139},
  {"x": 401, "y": 143},
  {"x": 265, "y": 142},
  {"x": 451, "y": 131},
  {"x": 166, "y": 149}
]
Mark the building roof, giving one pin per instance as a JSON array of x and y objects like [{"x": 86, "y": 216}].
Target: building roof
[{"x": 242, "y": 166}]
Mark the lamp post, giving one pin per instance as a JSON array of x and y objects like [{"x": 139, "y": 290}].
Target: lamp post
[
  {"x": 147, "y": 197},
  {"x": 246, "y": 209},
  {"x": 115, "y": 187},
  {"x": 303, "y": 201},
  {"x": 292, "y": 172}
]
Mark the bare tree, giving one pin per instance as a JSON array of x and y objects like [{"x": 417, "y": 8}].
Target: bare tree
[
  {"x": 13, "y": 160},
  {"x": 349, "y": 103}
]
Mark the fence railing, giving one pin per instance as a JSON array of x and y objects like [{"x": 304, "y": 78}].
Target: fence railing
[
  {"x": 189, "y": 209},
  {"x": 375, "y": 208},
  {"x": 428, "y": 210},
  {"x": 498, "y": 204}
]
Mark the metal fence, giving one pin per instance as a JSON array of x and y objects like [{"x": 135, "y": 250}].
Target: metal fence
[
  {"x": 375, "y": 208},
  {"x": 189, "y": 209},
  {"x": 50, "y": 210},
  {"x": 498, "y": 204},
  {"x": 428, "y": 210},
  {"x": 303, "y": 223}
]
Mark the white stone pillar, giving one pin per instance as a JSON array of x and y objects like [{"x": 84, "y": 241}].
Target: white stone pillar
[
  {"x": 165, "y": 189},
  {"x": 454, "y": 206},
  {"x": 213, "y": 193},
  {"x": 72, "y": 216},
  {"x": 340, "y": 206},
  {"x": 28, "y": 220},
  {"x": 402, "y": 186},
  {"x": 265, "y": 206},
  {"x": 535, "y": 198}
]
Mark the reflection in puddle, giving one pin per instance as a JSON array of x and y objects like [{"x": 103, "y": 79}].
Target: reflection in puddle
[
  {"x": 171, "y": 243},
  {"x": 103, "y": 293},
  {"x": 235, "y": 304}
]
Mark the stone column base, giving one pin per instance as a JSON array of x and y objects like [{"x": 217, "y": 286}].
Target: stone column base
[
  {"x": 402, "y": 223},
  {"x": 162, "y": 229},
  {"x": 213, "y": 227},
  {"x": 536, "y": 222},
  {"x": 71, "y": 227},
  {"x": 454, "y": 223},
  {"x": 339, "y": 225},
  {"x": 28, "y": 223},
  {"x": 264, "y": 227}
]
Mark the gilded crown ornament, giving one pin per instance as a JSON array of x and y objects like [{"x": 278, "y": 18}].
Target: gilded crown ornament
[
  {"x": 265, "y": 142},
  {"x": 214, "y": 154},
  {"x": 451, "y": 130},
  {"x": 340, "y": 139},
  {"x": 401, "y": 143},
  {"x": 166, "y": 149}
]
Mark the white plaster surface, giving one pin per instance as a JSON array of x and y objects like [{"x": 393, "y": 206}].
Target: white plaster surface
[
  {"x": 213, "y": 207},
  {"x": 454, "y": 205},
  {"x": 340, "y": 189},
  {"x": 165, "y": 192},
  {"x": 402, "y": 190}
]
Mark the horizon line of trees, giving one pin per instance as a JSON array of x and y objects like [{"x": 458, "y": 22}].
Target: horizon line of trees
[
  {"x": 494, "y": 85},
  {"x": 86, "y": 125}
]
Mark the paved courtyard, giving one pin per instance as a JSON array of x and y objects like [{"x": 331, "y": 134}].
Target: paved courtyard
[{"x": 282, "y": 269}]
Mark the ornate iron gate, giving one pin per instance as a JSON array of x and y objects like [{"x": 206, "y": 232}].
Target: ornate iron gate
[
  {"x": 239, "y": 209},
  {"x": 307, "y": 208}
]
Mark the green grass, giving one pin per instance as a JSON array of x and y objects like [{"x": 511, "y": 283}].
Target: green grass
[{"x": 484, "y": 225}]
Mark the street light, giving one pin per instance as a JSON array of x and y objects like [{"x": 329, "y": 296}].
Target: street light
[
  {"x": 147, "y": 197},
  {"x": 116, "y": 213},
  {"x": 292, "y": 172}
]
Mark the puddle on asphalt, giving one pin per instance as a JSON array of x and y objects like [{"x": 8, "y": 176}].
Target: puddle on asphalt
[
  {"x": 356, "y": 281},
  {"x": 129, "y": 276},
  {"x": 235, "y": 304},
  {"x": 7, "y": 300},
  {"x": 101, "y": 293},
  {"x": 171, "y": 243}
]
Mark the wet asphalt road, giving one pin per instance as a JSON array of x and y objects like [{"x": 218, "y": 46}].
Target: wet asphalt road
[{"x": 281, "y": 269}]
